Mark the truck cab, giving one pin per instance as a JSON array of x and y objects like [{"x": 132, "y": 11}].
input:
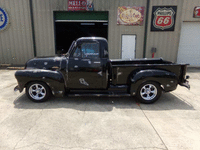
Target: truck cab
[{"x": 88, "y": 64}]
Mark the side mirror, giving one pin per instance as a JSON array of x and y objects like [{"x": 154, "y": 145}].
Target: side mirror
[{"x": 105, "y": 53}]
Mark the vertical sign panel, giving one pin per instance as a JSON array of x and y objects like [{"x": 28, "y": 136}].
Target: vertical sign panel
[{"x": 128, "y": 46}]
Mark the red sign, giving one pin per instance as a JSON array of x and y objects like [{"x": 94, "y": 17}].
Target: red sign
[
  {"x": 163, "y": 21},
  {"x": 77, "y": 5},
  {"x": 164, "y": 18},
  {"x": 197, "y": 12}
]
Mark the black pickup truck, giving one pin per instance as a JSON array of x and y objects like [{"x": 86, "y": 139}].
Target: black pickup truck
[{"x": 86, "y": 70}]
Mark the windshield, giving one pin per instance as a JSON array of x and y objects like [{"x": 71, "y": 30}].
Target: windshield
[{"x": 71, "y": 48}]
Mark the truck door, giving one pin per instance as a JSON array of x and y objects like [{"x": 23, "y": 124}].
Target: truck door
[{"x": 85, "y": 69}]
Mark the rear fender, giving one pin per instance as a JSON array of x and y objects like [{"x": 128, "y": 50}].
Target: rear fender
[
  {"x": 54, "y": 79},
  {"x": 167, "y": 80}
]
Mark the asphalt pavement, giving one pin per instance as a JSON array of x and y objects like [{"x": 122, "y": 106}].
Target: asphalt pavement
[{"x": 100, "y": 123}]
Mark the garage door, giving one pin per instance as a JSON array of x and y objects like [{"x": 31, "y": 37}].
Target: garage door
[
  {"x": 72, "y": 25},
  {"x": 189, "y": 47}
]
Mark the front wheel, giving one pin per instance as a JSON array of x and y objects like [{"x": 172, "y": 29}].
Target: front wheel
[
  {"x": 149, "y": 92},
  {"x": 37, "y": 91}
]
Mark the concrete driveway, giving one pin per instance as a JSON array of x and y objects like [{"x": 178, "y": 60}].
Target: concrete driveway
[{"x": 91, "y": 123}]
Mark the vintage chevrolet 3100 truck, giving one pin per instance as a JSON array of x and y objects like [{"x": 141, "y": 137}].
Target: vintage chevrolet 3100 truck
[{"x": 86, "y": 70}]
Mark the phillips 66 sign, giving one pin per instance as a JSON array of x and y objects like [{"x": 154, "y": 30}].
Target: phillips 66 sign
[{"x": 163, "y": 18}]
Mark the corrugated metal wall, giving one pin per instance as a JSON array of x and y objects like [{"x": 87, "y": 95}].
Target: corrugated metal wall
[
  {"x": 16, "y": 45},
  {"x": 115, "y": 31},
  {"x": 44, "y": 25},
  {"x": 188, "y": 8},
  {"x": 16, "y": 41},
  {"x": 166, "y": 42}
]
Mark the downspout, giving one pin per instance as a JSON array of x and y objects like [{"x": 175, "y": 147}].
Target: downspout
[
  {"x": 33, "y": 27},
  {"x": 146, "y": 29}
]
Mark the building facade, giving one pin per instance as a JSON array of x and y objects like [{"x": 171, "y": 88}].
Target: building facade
[{"x": 133, "y": 28}]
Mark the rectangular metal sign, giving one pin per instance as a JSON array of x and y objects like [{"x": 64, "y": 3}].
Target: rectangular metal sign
[
  {"x": 163, "y": 18},
  {"x": 130, "y": 15},
  {"x": 80, "y": 5}
]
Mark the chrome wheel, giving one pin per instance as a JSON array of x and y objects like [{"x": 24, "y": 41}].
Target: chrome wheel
[
  {"x": 37, "y": 92},
  {"x": 148, "y": 92}
]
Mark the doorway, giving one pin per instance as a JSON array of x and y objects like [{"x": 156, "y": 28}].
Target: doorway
[
  {"x": 128, "y": 46},
  {"x": 72, "y": 25},
  {"x": 189, "y": 51}
]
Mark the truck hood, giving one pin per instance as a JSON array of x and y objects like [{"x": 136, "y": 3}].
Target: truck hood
[{"x": 47, "y": 63}]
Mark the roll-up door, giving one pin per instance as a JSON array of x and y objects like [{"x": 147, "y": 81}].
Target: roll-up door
[
  {"x": 189, "y": 46},
  {"x": 71, "y": 25}
]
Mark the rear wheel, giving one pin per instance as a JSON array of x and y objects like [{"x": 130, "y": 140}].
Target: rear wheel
[
  {"x": 149, "y": 92},
  {"x": 37, "y": 91}
]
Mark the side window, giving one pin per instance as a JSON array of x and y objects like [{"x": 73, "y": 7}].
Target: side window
[
  {"x": 77, "y": 52},
  {"x": 90, "y": 50}
]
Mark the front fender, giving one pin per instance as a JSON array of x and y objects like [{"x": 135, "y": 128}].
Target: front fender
[
  {"x": 54, "y": 79},
  {"x": 166, "y": 79}
]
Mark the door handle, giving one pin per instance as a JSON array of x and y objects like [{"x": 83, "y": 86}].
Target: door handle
[
  {"x": 85, "y": 59},
  {"x": 75, "y": 66}
]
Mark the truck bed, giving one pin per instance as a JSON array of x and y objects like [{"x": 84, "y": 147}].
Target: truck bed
[
  {"x": 121, "y": 69},
  {"x": 139, "y": 61}
]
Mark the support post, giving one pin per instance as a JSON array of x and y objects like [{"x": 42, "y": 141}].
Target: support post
[
  {"x": 146, "y": 29},
  {"x": 33, "y": 27}
]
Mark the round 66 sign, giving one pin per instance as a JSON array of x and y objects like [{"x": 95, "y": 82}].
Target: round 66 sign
[{"x": 3, "y": 19}]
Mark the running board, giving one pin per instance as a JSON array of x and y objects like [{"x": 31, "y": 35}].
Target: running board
[{"x": 98, "y": 95}]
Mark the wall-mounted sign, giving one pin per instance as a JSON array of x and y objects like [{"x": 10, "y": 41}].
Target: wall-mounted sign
[
  {"x": 196, "y": 12},
  {"x": 80, "y": 5},
  {"x": 130, "y": 15},
  {"x": 4, "y": 19},
  {"x": 90, "y": 5},
  {"x": 163, "y": 18}
]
